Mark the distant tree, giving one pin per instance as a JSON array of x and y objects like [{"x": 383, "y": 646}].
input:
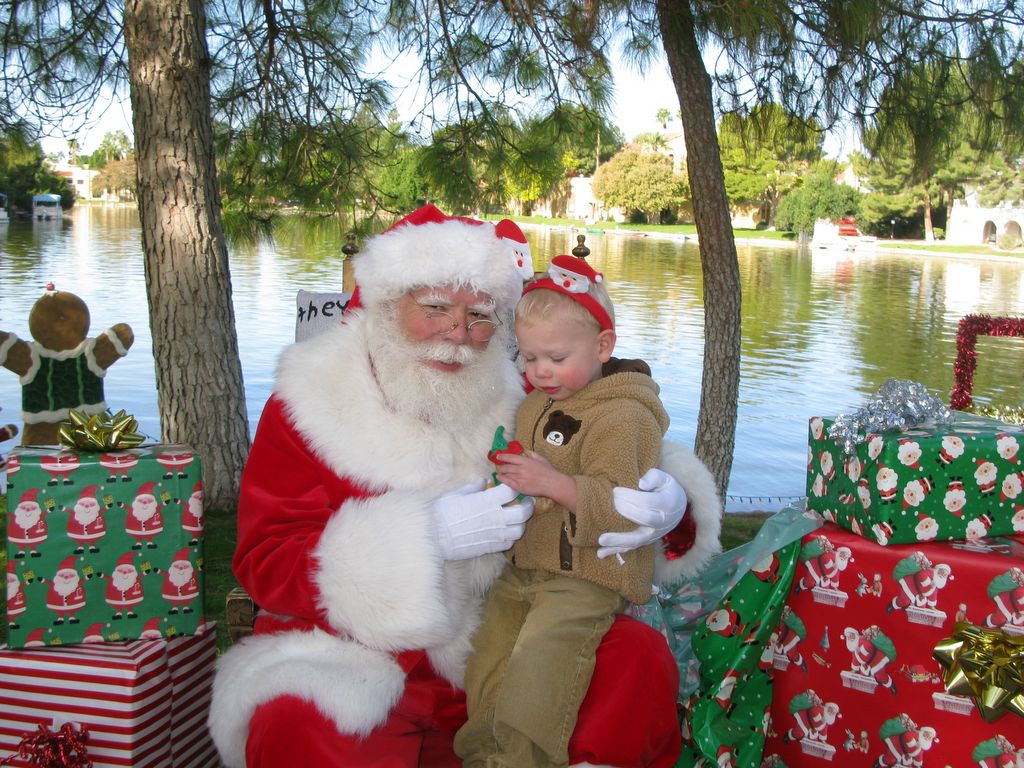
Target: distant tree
[
  {"x": 765, "y": 153},
  {"x": 921, "y": 118},
  {"x": 24, "y": 173},
  {"x": 893, "y": 193},
  {"x": 117, "y": 177},
  {"x": 1002, "y": 180},
  {"x": 663, "y": 117},
  {"x": 817, "y": 197},
  {"x": 640, "y": 181},
  {"x": 401, "y": 185}
]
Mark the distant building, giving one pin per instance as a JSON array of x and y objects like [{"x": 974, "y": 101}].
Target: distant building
[
  {"x": 971, "y": 223},
  {"x": 79, "y": 178}
]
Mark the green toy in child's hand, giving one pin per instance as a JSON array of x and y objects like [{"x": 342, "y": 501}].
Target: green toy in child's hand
[{"x": 500, "y": 445}]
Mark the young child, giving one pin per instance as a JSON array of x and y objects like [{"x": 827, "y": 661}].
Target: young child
[{"x": 545, "y": 616}]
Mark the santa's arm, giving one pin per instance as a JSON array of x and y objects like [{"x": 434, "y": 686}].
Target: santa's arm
[
  {"x": 367, "y": 564},
  {"x": 695, "y": 539}
]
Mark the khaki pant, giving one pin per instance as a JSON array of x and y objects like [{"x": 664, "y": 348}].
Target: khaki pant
[{"x": 531, "y": 665}]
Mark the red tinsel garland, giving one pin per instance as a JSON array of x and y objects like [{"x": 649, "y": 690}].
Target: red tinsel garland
[
  {"x": 971, "y": 327},
  {"x": 46, "y": 749}
]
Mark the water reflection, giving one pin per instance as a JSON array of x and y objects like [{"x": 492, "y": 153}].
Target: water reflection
[{"x": 821, "y": 330}]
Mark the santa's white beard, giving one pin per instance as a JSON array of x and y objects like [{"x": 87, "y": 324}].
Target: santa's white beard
[
  {"x": 454, "y": 400},
  {"x": 123, "y": 580},
  {"x": 12, "y": 587},
  {"x": 65, "y": 585},
  {"x": 84, "y": 515},
  {"x": 195, "y": 506},
  {"x": 143, "y": 509},
  {"x": 179, "y": 576},
  {"x": 27, "y": 518}
]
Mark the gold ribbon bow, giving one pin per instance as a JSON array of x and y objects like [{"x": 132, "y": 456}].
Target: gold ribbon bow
[
  {"x": 985, "y": 664},
  {"x": 100, "y": 432}
]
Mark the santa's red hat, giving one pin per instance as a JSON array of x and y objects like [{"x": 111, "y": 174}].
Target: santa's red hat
[
  {"x": 198, "y": 487},
  {"x": 94, "y": 634},
  {"x": 518, "y": 248},
  {"x": 35, "y": 637},
  {"x": 68, "y": 564},
  {"x": 428, "y": 248},
  {"x": 29, "y": 495},
  {"x": 574, "y": 277},
  {"x": 181, "y": 554},
  {"x": 149, "y": 488},
  {"x": 127, "y": 558},
  {"x": 12, "y": 568},
  {"x": 89, "y": 492}
]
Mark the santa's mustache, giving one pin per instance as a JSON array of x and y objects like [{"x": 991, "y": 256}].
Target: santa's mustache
[{"x": 446, "y": 352}]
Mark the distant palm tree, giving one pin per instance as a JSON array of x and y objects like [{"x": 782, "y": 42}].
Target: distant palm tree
[{"x": 663, "y": 117}]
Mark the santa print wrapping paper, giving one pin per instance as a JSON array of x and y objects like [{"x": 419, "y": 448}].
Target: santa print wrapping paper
[
  {"x": 855, "y": 683},
  {"x": 953, "y": 482},
  {"x": 103, "y": 546},
  {"x": 143, "y": 702}
]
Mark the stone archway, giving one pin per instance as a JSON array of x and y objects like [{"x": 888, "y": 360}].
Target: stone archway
[
  {"x": 1013, "y": 230},
  {"x": 988, "y": 232}
]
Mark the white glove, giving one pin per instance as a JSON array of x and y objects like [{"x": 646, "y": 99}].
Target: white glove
[
  {"x": 472, "y": 522},
  {"x": 656, "y": 508}
]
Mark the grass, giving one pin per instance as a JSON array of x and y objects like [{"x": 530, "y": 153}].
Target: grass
[{"x": 220, "y": 540}]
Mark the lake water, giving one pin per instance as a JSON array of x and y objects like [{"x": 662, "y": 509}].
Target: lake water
[{"x": 821, "y": 330}]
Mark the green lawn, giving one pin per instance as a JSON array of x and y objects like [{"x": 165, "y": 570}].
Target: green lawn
[{"x": 220, "y": 545}]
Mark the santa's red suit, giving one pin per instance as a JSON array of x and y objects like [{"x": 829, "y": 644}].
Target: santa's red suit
[
  {"x": 124, "y": 598},
  {"x": 62, "y": 604},
  {"x": 180, "y": 593},
  {"x": 361, "y": 643}
]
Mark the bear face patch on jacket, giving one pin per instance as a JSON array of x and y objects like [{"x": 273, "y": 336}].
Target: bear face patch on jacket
[{"x": 560, "y": 428}]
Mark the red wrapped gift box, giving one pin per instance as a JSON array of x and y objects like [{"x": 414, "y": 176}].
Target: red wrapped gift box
[
  {"x": 855, "y": 683},
  {"x": 143, "y": 702}
]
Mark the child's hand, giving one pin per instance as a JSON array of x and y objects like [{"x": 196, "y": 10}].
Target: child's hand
[{"x": 534, "y": 475}]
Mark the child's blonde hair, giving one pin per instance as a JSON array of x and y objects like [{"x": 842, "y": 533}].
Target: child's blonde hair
[{"x": 544, "y": 304}]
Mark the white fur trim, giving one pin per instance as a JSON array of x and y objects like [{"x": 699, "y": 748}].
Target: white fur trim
[
  {"x": 5, "y": 346},
  {"x": 354, "y": 686},
  {"x": 380, "y": 574},
  {"x": 705, "y": 506},
  {"x": 453, "y": 252},
  {"x": 118, "y": 346}
]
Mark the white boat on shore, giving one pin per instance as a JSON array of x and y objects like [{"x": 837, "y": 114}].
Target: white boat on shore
[
  {"x": 46, "y": 207},
  {"x": 3, "y": 209}
]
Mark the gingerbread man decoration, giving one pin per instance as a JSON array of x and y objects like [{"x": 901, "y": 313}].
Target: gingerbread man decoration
[{"x": 61, "y": 368}]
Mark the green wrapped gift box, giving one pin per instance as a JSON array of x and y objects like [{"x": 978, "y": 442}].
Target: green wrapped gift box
[
  {"x": 103, "y": 546},
  {"x": 953, "y": 482}
]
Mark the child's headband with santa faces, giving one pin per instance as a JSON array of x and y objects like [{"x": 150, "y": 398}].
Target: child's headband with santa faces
[{"x": 573, "y": 277}]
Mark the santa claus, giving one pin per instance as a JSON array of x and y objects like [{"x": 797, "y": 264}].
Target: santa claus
[
  {"x": 144, "y": 519},
  {"x": 15, "y": 596},
  {"x": 86, "y": 525},
  {"x": 124, "y": 588},
  {"x": 181, "y": 587},
  {"x": 66, "y": 595},
  {"x": 369, "y": 566},
  {"x": 27, "y": 526},
  {"x": 192, "y": 513}
]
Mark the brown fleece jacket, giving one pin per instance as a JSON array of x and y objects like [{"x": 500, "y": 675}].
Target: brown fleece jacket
[{"x": 606, "y": 435}]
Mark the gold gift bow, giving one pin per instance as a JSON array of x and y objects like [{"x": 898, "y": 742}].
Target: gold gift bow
[
  {"x": 985, "y": 664},
  {"x": 100, "y": 432}
]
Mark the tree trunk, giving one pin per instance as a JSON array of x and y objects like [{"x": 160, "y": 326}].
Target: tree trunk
[
  {"x": 188, "y": 282},
  {"x": 716, "y": 426},
  {"x": 929, "y": 230}
]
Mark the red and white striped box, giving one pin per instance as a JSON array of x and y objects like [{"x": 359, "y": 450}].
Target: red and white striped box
[{"x": 144, "y": 702}]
